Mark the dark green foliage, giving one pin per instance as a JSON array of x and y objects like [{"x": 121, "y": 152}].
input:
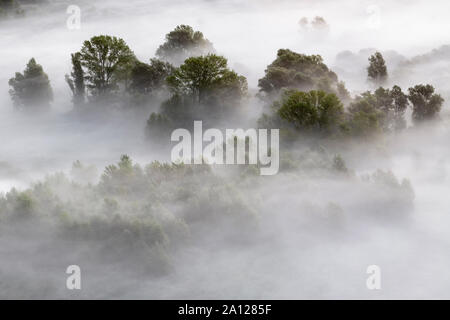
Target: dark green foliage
[
  {"x": 76, "y": 80},
  {"x": 426, "y": 104},
  {"x": 202, "y": 87},
  {"x": 377, "y": 70},
  {"x": 147, "y": 78},
  {"x": 31, "y": 90},
  {"x": 207, "y": 79},
  {"x": 291, "y": 70},
  {"x": 315, "y": 111},
  {"x": 183, "y": 42},
  {"x": 106, "y": 61},
  {"x": 382, "y": 110}
]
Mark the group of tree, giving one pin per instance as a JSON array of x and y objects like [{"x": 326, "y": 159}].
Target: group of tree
[
  {"x": 305, "y": 94},
  {"x": 321, "y": 113},
  {"x": 106, "y": 66},
  {"x": 31, "y": 88},
  {"x": 106, "y": 70},
  {"x": 202, "y": 88}
]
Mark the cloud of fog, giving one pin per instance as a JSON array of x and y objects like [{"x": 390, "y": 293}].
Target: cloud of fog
[{"x": 313, "y": 230}]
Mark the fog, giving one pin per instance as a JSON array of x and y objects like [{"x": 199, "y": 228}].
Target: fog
[{"x": 309, "y": 232}]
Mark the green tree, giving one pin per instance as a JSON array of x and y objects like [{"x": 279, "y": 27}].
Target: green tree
[
  {"x": 291, "y": 70},
  {"x": 147, "y": 78},
  {"x": 76, "y": 80},
  {"x": 377, "y": 70},
  {"x": 106, "y": 61},
  {"x": 31, "y": 90},
  {"x": 183, "y": 42},
  {"x": 313, "y": 110},
  {"x": 365, "y": 119},
  {"x": 207, "y": 79},
  {"x": 382, "y": 110},
  {"x": 426, "y": 104}
]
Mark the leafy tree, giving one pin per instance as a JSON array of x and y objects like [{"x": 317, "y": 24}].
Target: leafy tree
[
  {"x": 425, "y": 103},
  {"x": 202, "y": 88},
  {"x": 207, "y": 79},
  {"x": 76, "y": 80},
  {"x": 382, "y": 110},
  {"x": 31, "y": 89},
  {"x": 105, "y": 61},
  {"x": 313, "y": 110},
  {"x": 377, "y": 71},
  {"x": 398, "y": 108},
  {"x": 123, "y": 178},
  {"x": 147, "y": 78},
  {"x": 291, "y": 70},
  {"x": 183, "y": 42},
  {"x": 365, "y": 119}
]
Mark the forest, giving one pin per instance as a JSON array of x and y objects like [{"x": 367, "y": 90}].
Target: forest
[{"x": 86, "y": 118}]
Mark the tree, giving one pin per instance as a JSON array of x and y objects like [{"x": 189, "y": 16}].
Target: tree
[
  {"x": 31, "y": 89},
  {"x": 426, "y": 104},
  {"x": 202, "y": 88},
  {"x": 183, "y": 42},
  {"x": 105, "y": 61},
  {"x": 291, "y": 70},
  {"x": 207, "y": 79},
  {"x": 313, "y": 110},
  {"x": 365, "y": 119},
  {"x": 76, "y": 80},
  {"x": 377, "y": 71},
  {"x": 147, "y": 78},
  {"x": 382, "y": 110},
  {"x": 400, "y": 104}
]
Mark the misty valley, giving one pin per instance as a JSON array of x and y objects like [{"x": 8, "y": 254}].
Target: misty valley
[{"x": 224, "y": 150}]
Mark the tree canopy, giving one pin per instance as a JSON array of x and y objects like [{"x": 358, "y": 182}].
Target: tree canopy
[
  {"x": 313, "y": 109},
  {"x": 146, "y": 78},
  {"x": 76, "y": 80},
  {"x": 202, "y": 88},
  {"x": 425, "y": 103},
  {"x": 382, "y": 110},
  {"x": 377, "y": 70},
  {"x": 207, "y": 79},
  {"x": 183, "y": 42},
  {"x": 105, "y": 61},
  {"x": 291, "y": 70},
  {"x": 31, "y": 89}
]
